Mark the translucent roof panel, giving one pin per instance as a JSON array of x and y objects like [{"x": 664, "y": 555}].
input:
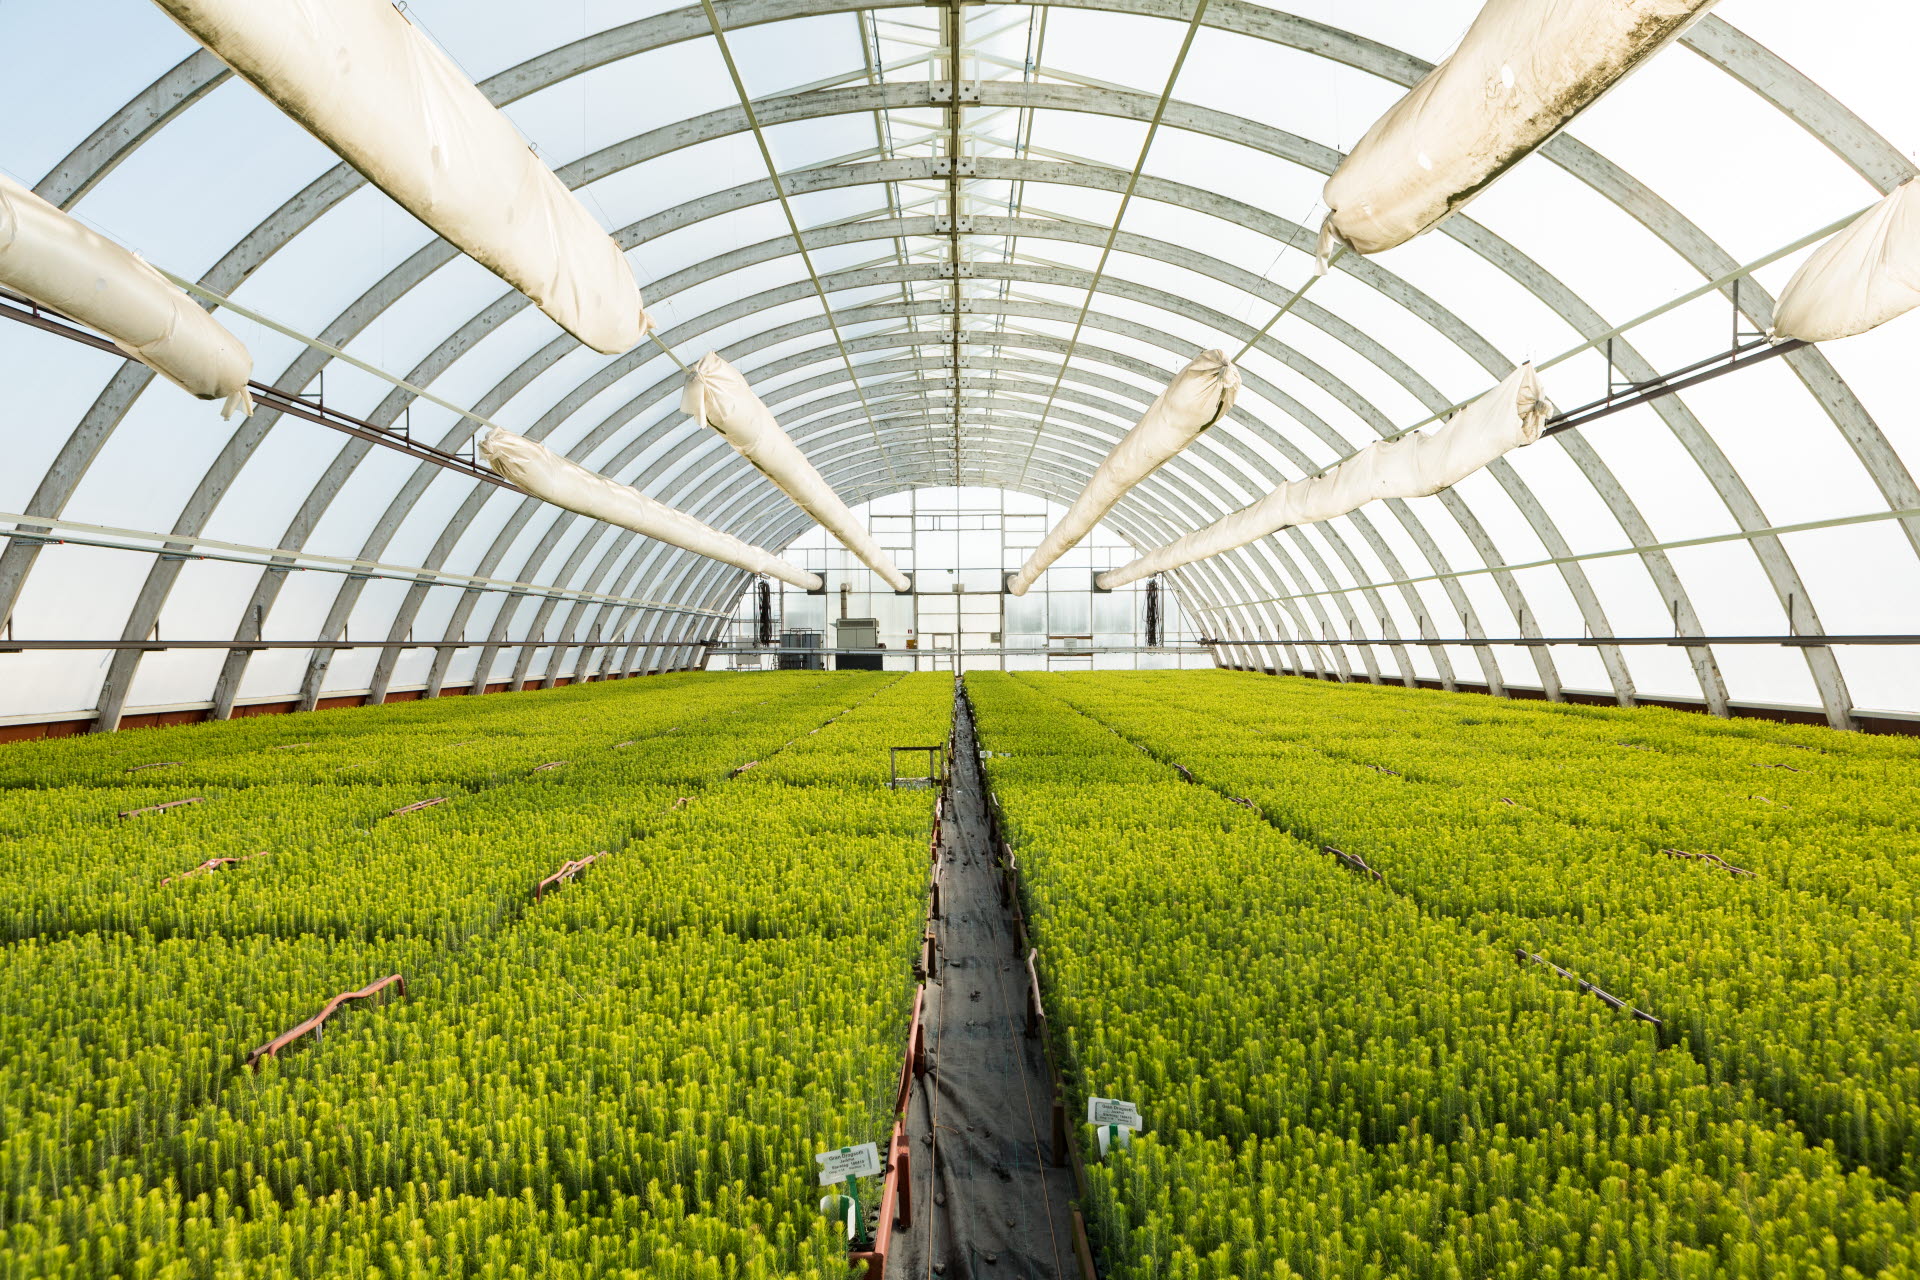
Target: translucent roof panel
[{"x": 967, "y": 246}]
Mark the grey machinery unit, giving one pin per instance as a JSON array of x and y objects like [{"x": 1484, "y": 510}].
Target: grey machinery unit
[
  {"x": 856, "y": 633},
  {"x": 805, "y": 661}
]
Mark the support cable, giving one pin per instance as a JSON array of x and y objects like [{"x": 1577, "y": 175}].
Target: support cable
[
  {"x": 1287, "y": 306},
  {"x": 28, "y": 529},
  {"x": 793, "y": 223},
  {"x": 1113, "y": 232},
  {"x": 288, "y": 402}
]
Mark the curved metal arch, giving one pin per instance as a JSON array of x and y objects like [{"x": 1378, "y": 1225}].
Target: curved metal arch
[
  {"x": 1045, "y": 311},
  {"x": 593, "y": 387},
  {"x": 1218, "y": 322},
  {"x": 1057, "y": 483},
  {"x": 1666, "y": 580},
  {"x": 1079, "y": 456},
  {"x": 851, "y": 434},
  {"x": 855, "y": 483},
  {"x": 546, "y": 609},
  {"x": 1260, "y": 463},
  {"x": 1065, "y": 488},
  {"x": 1224, "y": 7},
  {"x": 856, "y": 486},
  {"x": 1675, "y": 595}
]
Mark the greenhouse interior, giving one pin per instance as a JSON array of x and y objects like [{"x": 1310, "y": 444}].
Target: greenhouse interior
[{"x": 890, "y": 639}]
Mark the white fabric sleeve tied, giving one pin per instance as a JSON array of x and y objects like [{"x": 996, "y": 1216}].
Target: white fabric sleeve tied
[
  {"x": 1415, "y": 465},
  {"x": 1867, "y": 274},
  {"x": 359, "y": 77},
  {"x": 60, "y": 263},
  {"x": 1199, "y": 396},
  {"x": 717, "y": 396},
  {"x": 1523, "y": 70},
  {"x": 551, "y": 478}
]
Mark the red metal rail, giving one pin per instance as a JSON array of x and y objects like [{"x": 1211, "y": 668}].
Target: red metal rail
[
  {"x": 1036, "y": 1012},
  {"x": 896, "y": 1193},
  {"x": 1523, "y": 957},
  {"x": 567, "y": 871},
  {"x": 914, "y": 1065},
  {"x": 214, "y": 864},
  {"x": 272, "y": 1048},
  {"x": 417, "y": 806},
  {"x": 896, "y": 1205},
  {"x": 156, "y": 808},
  {"x": 1352, "y": 861},
  {"x": 1711, "y": 859}
]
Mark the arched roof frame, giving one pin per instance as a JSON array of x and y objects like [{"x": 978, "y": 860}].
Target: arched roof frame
[{"x": 1720, "y": 43}]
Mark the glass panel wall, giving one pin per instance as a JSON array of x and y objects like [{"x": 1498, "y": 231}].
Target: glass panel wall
[{"x": 960, "y": 544}]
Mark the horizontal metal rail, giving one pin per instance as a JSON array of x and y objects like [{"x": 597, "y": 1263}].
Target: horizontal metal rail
[
  {"x": 1687, "y": 642},
  {"x": 1204, "y": 646},
  {"x": 271, "y": 397},
  {"x": 272, "y": 1048},
  {"x": 1610, "y": 553},
  {"x": 216, "y": 864},
  {"x": 160, "y": 808},
  {"x": 568, "y": 870},
  {"x": 39, "y": 531},
  {"x": 720, "y": 650},
  {"x": 1666, "y": 384},
  {"x": 161, "y": 646}
]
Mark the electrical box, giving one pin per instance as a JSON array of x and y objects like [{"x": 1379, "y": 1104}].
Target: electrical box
[{"x": 856, "y": 633}]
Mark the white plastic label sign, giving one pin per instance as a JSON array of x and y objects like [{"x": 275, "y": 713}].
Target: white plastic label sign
[
  {"x": 1106, "y": 1111},
  {"x": 862, "y": 1161}
]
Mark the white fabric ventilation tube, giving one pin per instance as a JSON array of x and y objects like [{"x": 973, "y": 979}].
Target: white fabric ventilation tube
[
  {"x": 717, "y": 396},
  {"x": 1867, "y": 274},
  {"x": 1199, "y": 396},
  {"x": 60, "y": 263},
  {"x": 360, "y": 78},
  {"x": 1415, "y": 465},
  {"x": 551, "y": 478},
  {"x": 1523, "y": 70}
]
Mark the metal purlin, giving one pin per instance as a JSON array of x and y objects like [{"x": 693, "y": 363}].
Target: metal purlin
[
  {"x": 180, "y": 87},
  {"x": 648, "y": 478}
]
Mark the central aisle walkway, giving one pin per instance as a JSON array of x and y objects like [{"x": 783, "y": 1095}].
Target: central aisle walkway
[{"x": 993, "y": 1204}]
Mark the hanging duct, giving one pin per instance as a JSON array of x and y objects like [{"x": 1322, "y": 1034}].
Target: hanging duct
[
  {"x": 359, "y": 77},
  {"x": 717, "y": 396},
  {"x": 551, "y": 478},
  {"x": 1867, "y": 274},
  {"x": 1414, "y": 465},
  {"x": 59, "y": 263},
  {"x": 1198, "y": 397},
  {"x": 1523, "y": 70}
]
